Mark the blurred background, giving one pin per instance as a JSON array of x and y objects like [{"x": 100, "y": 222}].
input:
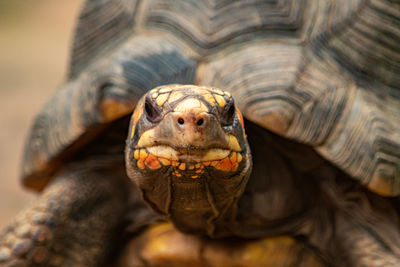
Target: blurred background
[{"x": 35, "y": 37}]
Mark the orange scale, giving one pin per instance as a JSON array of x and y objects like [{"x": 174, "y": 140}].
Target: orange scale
[
  {"x": 224, "y": 164},
  {"x": 241, "y": 120},
  {"x": 235, "y": 166},
  {"x": 214, "y": 163},
  {"x": 165, "y": 162},
  {"x": 152, "y": 162},
  {"x": 233, "y": 158},
  {"x": 140, "y": 164},
  {"x": 136, "y": 118},
  {"x": 174, "y": 163}
]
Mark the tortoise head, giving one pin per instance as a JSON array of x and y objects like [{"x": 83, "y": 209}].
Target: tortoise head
[{"x": 187, "y": 153}]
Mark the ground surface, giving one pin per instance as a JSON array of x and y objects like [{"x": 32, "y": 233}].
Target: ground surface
[{"x": 35, "y": 37}]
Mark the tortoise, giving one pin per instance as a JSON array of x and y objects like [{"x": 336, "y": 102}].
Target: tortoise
[{"x": 309, "y": 175}]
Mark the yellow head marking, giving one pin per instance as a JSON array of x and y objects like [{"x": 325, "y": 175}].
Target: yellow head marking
[
  {"x": 189, "y": 104},
  {"x": 146, "y": 139},
  {"x": 141, "y": 165},
  {"x": 164, "y": 152},
  {"x": 175, "y": 96},
  {"x": 136, "y": 154},
  {"x": 142, "y": 154},
  {"x": 161, "y": 99},
  {"x": 233, "y": 157},
  {"x": 233, "y": 143},
  {"x": 165, "y": 162},
  {"x": 137, "y": 115},
  {"x": 209, "y": 98},
  {"x": 215, "y": 154},
  {"x": 217, "y": 91},
  {"x": 239, "y": 157},
  {"x": 220, "y": 100},
  {"x": 164, "y": 90}
]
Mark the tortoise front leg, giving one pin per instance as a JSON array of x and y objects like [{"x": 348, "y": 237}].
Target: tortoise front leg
[{"x": 74, "y": 221}]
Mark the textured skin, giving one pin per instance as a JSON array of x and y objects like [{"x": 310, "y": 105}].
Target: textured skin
[
  {"x": 322, "y": 73},
  {"x": 74, "y": 221},
  {"x": 172, "y": 191}
]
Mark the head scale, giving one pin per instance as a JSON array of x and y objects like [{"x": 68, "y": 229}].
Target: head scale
[{"x": 186, "y": 143}]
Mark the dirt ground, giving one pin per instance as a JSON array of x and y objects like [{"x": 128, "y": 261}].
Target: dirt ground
[{"x": 35, "y": 36}]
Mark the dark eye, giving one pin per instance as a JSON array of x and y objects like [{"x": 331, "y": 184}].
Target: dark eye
[
  {"x": 228, "y": 113},
  {"x": 152, "y": 110}
]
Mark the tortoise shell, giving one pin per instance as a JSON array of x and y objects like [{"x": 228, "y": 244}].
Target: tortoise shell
[{"x": 323, "y": 73}]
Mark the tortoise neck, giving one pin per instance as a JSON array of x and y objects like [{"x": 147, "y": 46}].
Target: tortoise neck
[
  {"x": 196, "y": 208},
  {"x": 205, "y": 206}
]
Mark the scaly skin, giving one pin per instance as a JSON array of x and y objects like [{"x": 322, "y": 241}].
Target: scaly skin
[{"x": 73, "y": 223}]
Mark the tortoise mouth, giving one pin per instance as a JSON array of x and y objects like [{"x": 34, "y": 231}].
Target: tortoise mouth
[
  {"x": 183, "y": 159},
  {"x": 189, "y": 154}
]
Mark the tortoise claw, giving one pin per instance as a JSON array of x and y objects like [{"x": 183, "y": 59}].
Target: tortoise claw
[{"x": 74, "y": 221}]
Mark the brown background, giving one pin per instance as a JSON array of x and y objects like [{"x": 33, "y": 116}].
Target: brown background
[{"x": 35, "y": 36}]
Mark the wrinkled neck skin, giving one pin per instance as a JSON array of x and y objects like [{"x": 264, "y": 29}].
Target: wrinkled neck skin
[{"x": 205, "y": 206}]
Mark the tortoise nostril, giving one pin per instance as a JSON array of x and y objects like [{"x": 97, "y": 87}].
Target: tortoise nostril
[
  {"x": 181, "y": 121},
  {"x": 200, "y": 122}
]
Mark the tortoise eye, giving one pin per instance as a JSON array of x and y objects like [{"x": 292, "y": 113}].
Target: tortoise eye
[
  {"x": 153, "y": 112},
  {"x": 228, "y": 113}
]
